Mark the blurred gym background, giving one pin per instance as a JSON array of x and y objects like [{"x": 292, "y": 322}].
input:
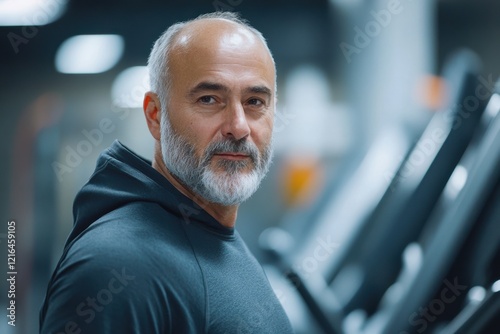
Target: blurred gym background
[{"x": 381, "y": 211}]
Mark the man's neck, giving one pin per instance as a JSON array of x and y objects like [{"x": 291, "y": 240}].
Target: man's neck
[{"x": 225, "y": 215}]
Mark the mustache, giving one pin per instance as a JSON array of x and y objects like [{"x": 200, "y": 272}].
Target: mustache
[{"x": 241, "y": 146}]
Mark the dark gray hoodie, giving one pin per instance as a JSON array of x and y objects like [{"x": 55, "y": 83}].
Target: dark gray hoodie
[{"x": 143, "y": 258}]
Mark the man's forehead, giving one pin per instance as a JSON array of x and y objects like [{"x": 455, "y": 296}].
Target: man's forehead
[
  {"x": 222, "y": 51},
  {"x": 214, "y": 45},
  {"x": 214, "y": 32}
]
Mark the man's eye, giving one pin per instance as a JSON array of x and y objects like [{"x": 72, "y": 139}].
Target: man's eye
[
  {"x": 207, "y": 99},
  {"x": 255, "y": 102}
]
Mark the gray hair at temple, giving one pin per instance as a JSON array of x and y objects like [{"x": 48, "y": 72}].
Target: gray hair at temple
[{"x": 159, "y": 78}]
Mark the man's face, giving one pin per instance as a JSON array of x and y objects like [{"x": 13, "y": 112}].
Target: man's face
[{"x": 217, "y": 138}]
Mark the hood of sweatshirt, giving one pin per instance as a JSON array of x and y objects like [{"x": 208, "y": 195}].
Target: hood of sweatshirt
[{"x": 122, "y": 177}]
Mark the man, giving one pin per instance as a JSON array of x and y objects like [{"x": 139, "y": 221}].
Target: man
[{"x": 154, "y": 249}]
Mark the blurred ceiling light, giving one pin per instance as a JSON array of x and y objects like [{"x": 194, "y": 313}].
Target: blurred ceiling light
[
  {"x": 89, "y": 53},
  {"x": 30, "y": 12},
  {"x": 495, "y": 287},
  {"x": 129, "y": 87},
  {"x": 476, "y": 294}
]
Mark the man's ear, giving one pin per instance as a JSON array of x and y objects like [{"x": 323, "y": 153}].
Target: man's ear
[{"x": 152, "y": 111}]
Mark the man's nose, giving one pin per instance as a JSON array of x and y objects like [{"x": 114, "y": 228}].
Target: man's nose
[{"x": 235, "y": 122}]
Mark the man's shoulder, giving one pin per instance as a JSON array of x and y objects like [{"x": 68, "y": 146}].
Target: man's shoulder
[
  {"x": 124, "y": 265},
  {"x": 149, "y": 257},
  {"x": 143, "y": 237},
  {"x": 138, "y": 227}
]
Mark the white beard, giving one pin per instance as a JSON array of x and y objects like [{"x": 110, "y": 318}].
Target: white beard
[{"x": 229, "y": 184}]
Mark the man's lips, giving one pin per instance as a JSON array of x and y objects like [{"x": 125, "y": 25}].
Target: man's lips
[{"x": 231, "y": 156}]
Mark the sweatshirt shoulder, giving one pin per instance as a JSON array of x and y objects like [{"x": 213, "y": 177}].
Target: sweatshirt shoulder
[
  {"x": 141, "y": 262},
  {"x": 139, "y": 234}
]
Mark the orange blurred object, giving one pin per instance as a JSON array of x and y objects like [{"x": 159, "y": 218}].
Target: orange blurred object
[
  {"x": 432, "y": 92},
  {"x": 302, "y": 179}
]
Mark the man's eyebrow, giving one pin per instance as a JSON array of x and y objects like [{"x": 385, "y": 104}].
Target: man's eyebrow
[
  {"x": 259, "y": 90},
  {"x": 214, "y": 86},
  {"x": 208, "y": 85}
]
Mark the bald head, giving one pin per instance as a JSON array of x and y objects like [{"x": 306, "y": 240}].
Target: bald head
[
  {"x": 207, "y": 34},
  {"x": 204, "y": 31}
]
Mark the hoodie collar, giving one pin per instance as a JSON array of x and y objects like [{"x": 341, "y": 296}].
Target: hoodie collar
[{"x": 121, "y": 177}]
